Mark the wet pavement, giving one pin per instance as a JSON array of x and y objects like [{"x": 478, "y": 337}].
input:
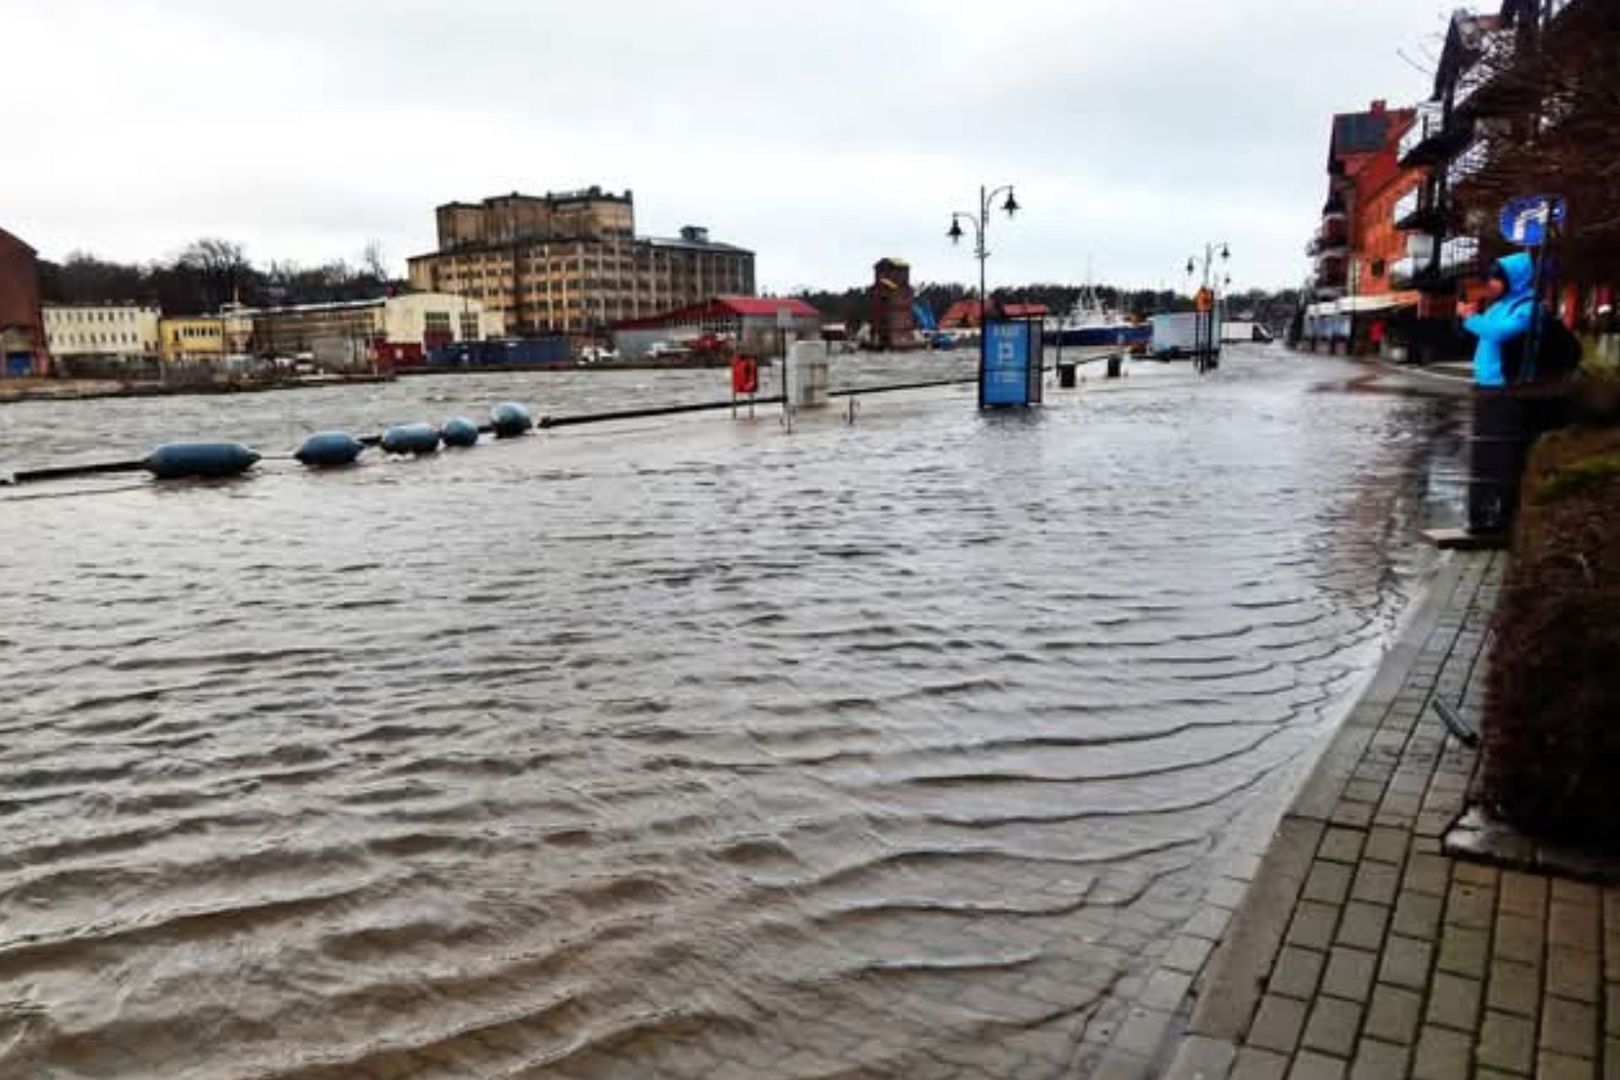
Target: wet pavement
[{"x": 683, "y": 747}]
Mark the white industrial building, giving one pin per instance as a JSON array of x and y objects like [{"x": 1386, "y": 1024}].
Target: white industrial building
[{"x": 110, "y": 331}]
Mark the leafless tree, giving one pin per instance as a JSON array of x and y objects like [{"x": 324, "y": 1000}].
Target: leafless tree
[{"x": 372, "y": 261}]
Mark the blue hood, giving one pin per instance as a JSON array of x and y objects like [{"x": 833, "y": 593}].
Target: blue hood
[
  {"x": 1504, "y": 321},
  {"x": 1520, "y": 271}
]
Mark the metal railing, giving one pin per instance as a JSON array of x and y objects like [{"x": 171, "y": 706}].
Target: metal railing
[
  {"x": 1459, "y": 255},
  {"x": 1468, "y": 163},
  {"x": 1408, "y": 204},
  {"x": 1430, "y": 121}
]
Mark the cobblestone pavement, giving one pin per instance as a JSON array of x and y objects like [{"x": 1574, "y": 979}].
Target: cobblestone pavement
[{"x": 1362, "y": 952}]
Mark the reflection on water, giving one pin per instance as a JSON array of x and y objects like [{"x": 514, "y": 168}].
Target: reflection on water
[{"x": 684, "y": 748}]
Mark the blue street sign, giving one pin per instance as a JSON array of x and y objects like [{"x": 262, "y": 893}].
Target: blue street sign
[
  {"x": 1006, "y": 378},
  {"x": 1525, "y": 219}
]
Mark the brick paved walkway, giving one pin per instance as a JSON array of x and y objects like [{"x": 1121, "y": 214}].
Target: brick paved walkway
[{"x": 1360, "y": 951}]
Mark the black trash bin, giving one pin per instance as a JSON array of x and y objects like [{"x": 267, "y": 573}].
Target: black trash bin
[
  {"x": 1116, "y": 362},
  {"x": 1065, "y": 370}
]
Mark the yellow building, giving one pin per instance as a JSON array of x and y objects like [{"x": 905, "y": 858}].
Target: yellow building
[
  {"x": 571, "y": 263},
  {"x": 204, "y": 338},
  {"x": 192, "y": 338}
]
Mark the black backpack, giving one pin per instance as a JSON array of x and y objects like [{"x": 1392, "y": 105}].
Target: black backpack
[{"x": 1557, "y": 356}]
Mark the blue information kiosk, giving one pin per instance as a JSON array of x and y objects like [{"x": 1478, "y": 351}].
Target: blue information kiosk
[{"x": 1010, "y": 371}]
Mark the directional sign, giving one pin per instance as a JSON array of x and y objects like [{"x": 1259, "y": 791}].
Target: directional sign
[{"x": 1525, "y": 220}]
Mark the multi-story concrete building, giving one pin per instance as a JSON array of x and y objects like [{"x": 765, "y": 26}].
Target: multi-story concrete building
[
  {"x": 571, "y": 263},
  {"x": 23, "y": 348},
  {"x": 123, "y": 331},
  {"x": 389, "y": 330}
]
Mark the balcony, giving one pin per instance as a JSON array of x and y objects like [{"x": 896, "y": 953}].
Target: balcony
[
  {"x": 1424, "y": 268},
  {"x": 1331, "y": 238},
  {"x": 1468, "y": 164},
  {"x": 1478, "y": 91},
  {"x": 1407, "y": 207},
  {"x": 1426, "y": 141},
  {"x": 1416, "y": 211},
  {"x": 1459, "y": 256},
  {"x": 1406, "y": 273}
]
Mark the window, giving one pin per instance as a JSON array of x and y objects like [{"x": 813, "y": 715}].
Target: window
[{"x": 1378, "y": 268}]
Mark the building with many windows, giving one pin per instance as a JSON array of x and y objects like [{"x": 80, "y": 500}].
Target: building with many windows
[
  {"x": 1356, "y": 245},
  {"x": 123, "y": 332},
  {"x": 393, "y": 330},
  {"x": 571, "y": 263},
  {"x": 204, "y": 339}
]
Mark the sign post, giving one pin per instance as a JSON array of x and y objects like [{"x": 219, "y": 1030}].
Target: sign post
[
  {"x": 1203, "y": 328},
  {"x": 1534, "y": 221}
]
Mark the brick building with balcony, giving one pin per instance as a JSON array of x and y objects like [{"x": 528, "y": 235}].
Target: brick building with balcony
[
  {"x": 1356, "y": 244},
  {"x": 1475, "y": 114}
]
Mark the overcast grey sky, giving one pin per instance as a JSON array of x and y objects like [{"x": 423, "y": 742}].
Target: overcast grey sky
[{"x": 822, "y": 135}]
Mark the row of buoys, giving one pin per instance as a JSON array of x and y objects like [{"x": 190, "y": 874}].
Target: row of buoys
[{"x": 328, "y": 449}]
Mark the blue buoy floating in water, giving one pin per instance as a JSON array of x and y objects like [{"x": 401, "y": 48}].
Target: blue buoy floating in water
[
  {"x": 459, "y": 431},
  {"x": 171, "y": 461},
  {"x": 328, "y": 449},
  {"x": 411, "y": 439},
  {"x": 509, "y": 419}
]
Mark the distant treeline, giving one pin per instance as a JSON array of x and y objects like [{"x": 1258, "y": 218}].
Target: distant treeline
[
  {"x": 854, "y": 306},
  {"x": 212, "y": 272}
]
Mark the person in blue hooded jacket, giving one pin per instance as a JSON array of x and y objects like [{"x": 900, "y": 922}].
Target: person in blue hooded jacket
[
  {"x": 1512, "y": 311},
  {"x": 1500, "y": 436}
]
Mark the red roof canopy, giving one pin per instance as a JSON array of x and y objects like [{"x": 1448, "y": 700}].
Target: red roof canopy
[
  {"x": 966, "y": 313},
  {"x": 766, "y": 305}
]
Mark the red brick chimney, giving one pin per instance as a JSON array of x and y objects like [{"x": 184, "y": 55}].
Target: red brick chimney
[{"x": 1379, "y": 105}]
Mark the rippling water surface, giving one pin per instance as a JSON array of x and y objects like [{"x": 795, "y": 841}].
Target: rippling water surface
[{"x": 680, "y": 748}]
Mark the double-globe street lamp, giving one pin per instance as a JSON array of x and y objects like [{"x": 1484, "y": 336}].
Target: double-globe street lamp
[
  {"x": 1205, "y": 344},
  {"x": 981, "y": 226}
]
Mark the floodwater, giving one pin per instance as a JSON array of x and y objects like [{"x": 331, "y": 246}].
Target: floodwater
[
  {"x": 686, "y": 747},
  {"x": 38, "y": 434}
]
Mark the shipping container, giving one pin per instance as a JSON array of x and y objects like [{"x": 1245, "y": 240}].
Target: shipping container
[{"x": 509, "y": 352}]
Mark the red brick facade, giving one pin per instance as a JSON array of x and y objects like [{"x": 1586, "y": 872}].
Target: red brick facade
[{"x": 22, "y": 326}]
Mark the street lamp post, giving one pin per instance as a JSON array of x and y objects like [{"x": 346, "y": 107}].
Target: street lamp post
[
  {"x": 981, "y": 226},
  {"x": 1204, "y": 345}
]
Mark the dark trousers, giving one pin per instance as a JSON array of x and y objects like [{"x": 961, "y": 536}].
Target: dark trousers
[{"x": 1506, "y": 424}]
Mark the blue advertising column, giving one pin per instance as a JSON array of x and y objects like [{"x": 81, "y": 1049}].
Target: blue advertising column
[{"x": 1010, "y": 363}]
